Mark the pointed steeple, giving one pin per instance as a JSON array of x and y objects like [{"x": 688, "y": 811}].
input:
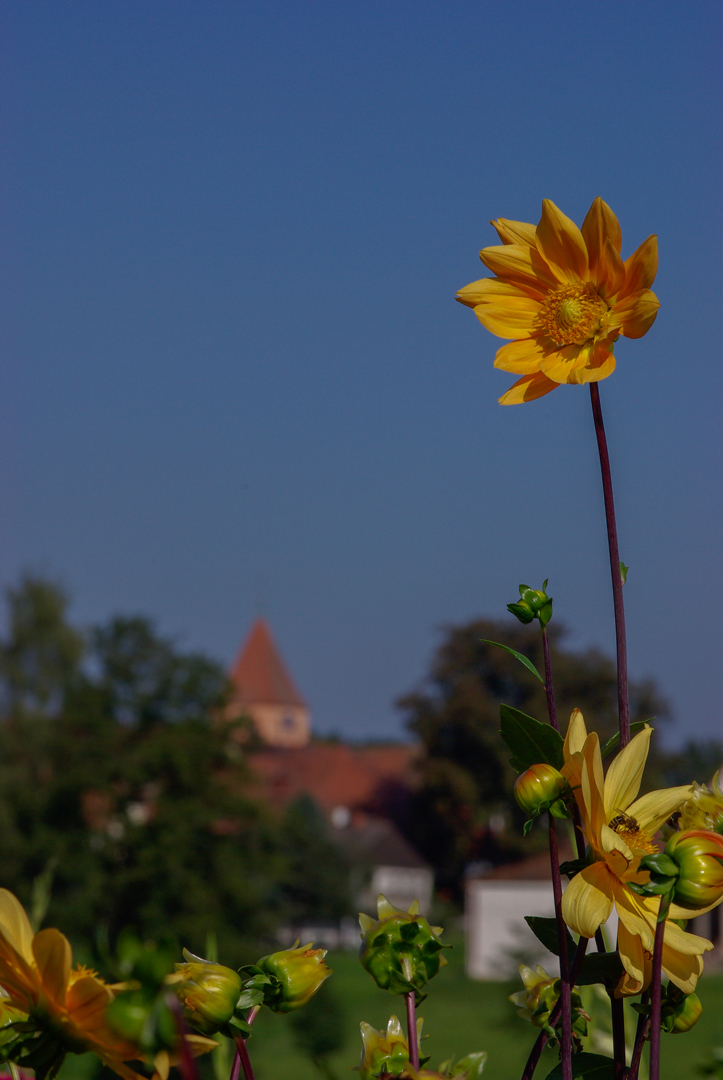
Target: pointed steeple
[{"x": 264, "y": 690}]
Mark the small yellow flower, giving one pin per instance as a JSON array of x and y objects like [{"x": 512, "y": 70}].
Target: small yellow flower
[
  {"x": 564, "y": 295},
  {"x": 384, "y": 1051},
  {"x": 620, "y": 829},
  {"x": 67, "y": 1007},
  {"x": 539, "y": 990},
  {"x": 704, "y": 808}
]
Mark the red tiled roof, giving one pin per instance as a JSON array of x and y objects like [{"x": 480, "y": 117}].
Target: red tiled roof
[
  {"x": 532, "y": 868},
  {"x": 333, "y": 774},
  {"x": 259, "y": 675}
]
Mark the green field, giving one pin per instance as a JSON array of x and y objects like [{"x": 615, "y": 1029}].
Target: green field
[{"x": 460, "y": 1015}]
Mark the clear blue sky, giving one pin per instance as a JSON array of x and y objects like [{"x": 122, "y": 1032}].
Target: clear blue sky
[{"x": 235, "y": 376}]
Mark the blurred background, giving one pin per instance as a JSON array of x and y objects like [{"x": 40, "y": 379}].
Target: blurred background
[{"x": 261, "y": 505}]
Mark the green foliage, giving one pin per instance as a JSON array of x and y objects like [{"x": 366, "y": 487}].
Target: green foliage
[
  {"x": 117, "y": 777},
  {"x": 314, "y": 875},
  {"x": 589, "y": 1066},
  {"x": 318, "y": 1029},
  {"x": 545, "y": 930},
  {"x": 529, "y": 741}
]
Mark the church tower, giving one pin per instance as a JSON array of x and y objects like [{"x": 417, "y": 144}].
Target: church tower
[{"x": 263, "y": 689}]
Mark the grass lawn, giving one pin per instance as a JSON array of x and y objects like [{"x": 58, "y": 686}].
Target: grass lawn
[{"x": 460, "y": 1016}]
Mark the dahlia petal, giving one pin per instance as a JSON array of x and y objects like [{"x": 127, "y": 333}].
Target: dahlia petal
[
  {"x": 53, "y": 956},
  {"x": 561, "y": 244},
  {"x": 514, "y": 232},
  {"x": 512, "y": 319},
  {"x": 683, "y": 971},
  {"x": 633, "y": 957},
  {"x": 528, "y": 388},
  {"x": 592, "y": 783},
  {"x": 15, "y": 925},
  {"x": 636, "y": 915},
  {"x": 576, "y": 733},
  {"x": 683, "y": 942},
  {"x": 489, "y": 290},
  {"x": 588, "y": 899},
  {"x": 521, "y": 264},
  {"x": 622, "y": 782},
  {"x": 611, "y": 271},
  {"x": 603, "y": 239},
  {"x": 521, "y": 357},
  {"x": 635, "y": 314},
  {"x": 641, "y": 267},
  {"x": 599, "y": 366},
  {"x": 651, "y": 810},
  {"x": 560, "y": 364}
]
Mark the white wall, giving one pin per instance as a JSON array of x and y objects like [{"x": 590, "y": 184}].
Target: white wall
[{"x": 497, "y": 937}]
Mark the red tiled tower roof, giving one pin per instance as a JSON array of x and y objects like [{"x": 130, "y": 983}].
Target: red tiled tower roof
[{"x": 259, "y": 675}]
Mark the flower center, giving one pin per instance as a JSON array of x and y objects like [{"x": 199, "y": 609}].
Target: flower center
[
  {"x": 628, "y": 830},
  {"x": 572, "y": 314}
]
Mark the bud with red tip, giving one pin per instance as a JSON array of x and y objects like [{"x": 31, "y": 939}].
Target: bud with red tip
[
  {"x": 541, "y": 788},
  {"x": 698, "y": 856}
]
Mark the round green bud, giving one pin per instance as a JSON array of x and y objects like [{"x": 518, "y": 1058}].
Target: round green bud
[
  {"x": 208, "y": 993},
  {"x": 299, "y": 971},
  {"x": 538, "y": 788},
  {"x": 400, "y": 950},
  {"x": 698, "y": 855},
  {"x": 687, "y": 1014}
]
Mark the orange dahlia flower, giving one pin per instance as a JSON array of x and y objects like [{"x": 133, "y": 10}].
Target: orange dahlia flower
[{"x": 564, "y": 295}]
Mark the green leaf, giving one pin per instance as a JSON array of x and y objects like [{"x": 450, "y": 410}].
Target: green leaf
[
  {"x": 614, "y": 740},
  {"x": 249, "y": 998},
  {"x": 600, "y": 968},
  {"x": 572, "y": 867},
  {"x": 590, "y": 1066},
  {"x": 518, "y": 656},
  {"x": 624, "y": 572},
  {"x": 529, "y": 741},
  {"x": 545, "y": 930}
]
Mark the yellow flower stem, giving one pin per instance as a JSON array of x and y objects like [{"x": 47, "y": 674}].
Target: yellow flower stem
[
  {"x": 621, "y": 644},
  {"x": 241, "y": 1057},
  {"x": 565, "y": 989},
  {"x": 640, "y": 1037},
  {"x": 412, "y": 1030},
  {"x": 543, "y": 1037},
  {"x": 655, "y": 995},
  {"x": 548, "y": 680}
]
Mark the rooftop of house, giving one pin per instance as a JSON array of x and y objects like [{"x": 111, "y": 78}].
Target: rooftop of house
[{"x": 259, "y": 675}]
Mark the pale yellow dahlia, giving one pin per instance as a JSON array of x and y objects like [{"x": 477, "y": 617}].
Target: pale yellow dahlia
[
  {"x": 564, "y": 295},
  {"x": 620, "y": 829}
]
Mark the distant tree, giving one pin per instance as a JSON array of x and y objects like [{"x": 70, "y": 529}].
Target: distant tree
[
  {"x": 315, "y": 878},
  {"x": 464, "y": 810},
  {"x": 42, "y": 654}
]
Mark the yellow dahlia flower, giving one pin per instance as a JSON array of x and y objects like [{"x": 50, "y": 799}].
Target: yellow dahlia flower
[
  {"x": 564, "y": 295},
  {"x": 620, "y": 828},
  {"x": 67, "y": 1007}
]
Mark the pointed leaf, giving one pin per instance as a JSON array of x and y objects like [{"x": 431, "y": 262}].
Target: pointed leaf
[
  {"x": 545, "y": 930},
  {"x": 624, "y": 572},
  {"x": 518, "y": 656},
  {"x": 614, "y": 741},
  {"x": 530, "y": 742}
]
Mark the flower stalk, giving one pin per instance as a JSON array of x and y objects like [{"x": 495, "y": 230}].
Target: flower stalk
[
  {"x": 655, "y": 995},
  {"x": 617, "y": 581},
  {"x": 549, "y": 694},
  {"x": 412, "y": 1029},
  {"x": 241, "y": 1057},
  {"x": 543, "y": 1037}
]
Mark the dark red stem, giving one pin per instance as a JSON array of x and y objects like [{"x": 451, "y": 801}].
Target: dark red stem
[
  {"x": 412, "y": 1030},
  {"x": 552, "y": 713},
  {"x": 607, "y": 482},
  {"x": 543, "y": 1037},
  {"x": 655, "y": 995},
  {"x": 640, "y": 1036},
  {"x": 565, "y": 989},
  {"x": 618, "y": 1015},
  {"x": 241, "y": 1057}
]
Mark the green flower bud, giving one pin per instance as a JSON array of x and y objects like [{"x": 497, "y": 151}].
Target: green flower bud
[
  {"x": 384, "y": 1051},
  {"x": 698, "y": 854},
  {"x": 538, "y": 788},
  {"x": 687, "y": 1014},
  {"x": 208, "y": 993},
  {"x": 400, "y": 950},
  {"x": 537, "y": 1000},
  {"x": 296, "y": 974},
  {"x": 533, "y": 604}
]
